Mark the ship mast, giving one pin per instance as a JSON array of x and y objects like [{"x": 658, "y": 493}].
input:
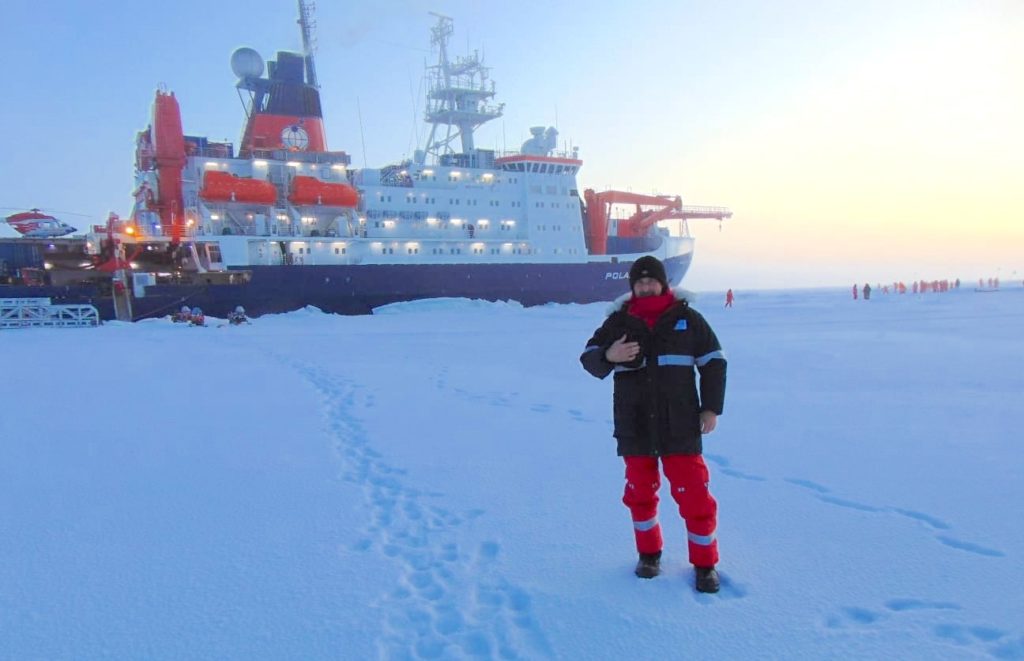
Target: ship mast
[
  {"x": 457, "y": 96},
  {"x": 308, "y": 24}
]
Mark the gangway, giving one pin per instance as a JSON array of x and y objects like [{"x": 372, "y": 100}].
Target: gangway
[{"x": 41, "y": 313}]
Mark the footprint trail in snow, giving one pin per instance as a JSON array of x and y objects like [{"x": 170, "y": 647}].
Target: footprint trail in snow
[{"x": 450, "y": 601}]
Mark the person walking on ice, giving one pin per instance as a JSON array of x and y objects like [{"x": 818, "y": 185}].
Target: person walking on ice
[{"x": 655, "y": 344}]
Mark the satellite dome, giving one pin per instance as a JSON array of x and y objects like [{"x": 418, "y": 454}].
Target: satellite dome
[{"x": 246, "y": 63}]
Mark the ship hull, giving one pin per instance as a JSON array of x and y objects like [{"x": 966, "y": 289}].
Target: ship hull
[{"x": 358, "y": 289}]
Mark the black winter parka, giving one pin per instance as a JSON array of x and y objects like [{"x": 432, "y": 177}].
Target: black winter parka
[{"x": 657, "y": 408}]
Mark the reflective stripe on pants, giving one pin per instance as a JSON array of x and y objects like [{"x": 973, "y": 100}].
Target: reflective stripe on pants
[{"x": 688, "y": 478}]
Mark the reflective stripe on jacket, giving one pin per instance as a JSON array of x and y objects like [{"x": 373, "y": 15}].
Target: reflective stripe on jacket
[{"x": 657, "y": 399}]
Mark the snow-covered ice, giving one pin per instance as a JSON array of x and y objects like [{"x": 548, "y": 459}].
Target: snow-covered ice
[{"x": 439, "y": 481}]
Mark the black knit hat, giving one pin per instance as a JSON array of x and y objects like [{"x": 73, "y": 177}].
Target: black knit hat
[{"x": 647, "y": 267}]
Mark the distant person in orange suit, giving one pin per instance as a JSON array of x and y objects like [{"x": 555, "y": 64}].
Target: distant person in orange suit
[
  {"x": 855, "y": 292},
  {"x": 729, "y": 299}
]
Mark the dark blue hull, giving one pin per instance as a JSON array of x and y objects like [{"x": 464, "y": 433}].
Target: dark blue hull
[{"x": 357, "y": 289}]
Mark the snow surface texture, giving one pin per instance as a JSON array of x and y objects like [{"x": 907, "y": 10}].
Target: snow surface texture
[{"x": 439, "y": 481}]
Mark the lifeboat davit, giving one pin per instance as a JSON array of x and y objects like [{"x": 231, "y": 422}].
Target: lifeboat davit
[
  {"x": 307, "y": 191},
  {"x": 226, "y": 187}
]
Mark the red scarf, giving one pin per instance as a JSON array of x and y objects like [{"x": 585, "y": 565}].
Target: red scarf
[{"x": 649, "y": 308}]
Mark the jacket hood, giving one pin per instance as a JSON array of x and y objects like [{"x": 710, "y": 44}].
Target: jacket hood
[{"x": 680, "y": 293}]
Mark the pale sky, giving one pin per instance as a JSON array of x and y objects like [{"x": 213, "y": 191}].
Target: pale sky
[{"x": 855, "y": 140}]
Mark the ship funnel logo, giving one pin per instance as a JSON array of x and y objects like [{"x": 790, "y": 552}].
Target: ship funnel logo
[{"x": 294, "y": 137}]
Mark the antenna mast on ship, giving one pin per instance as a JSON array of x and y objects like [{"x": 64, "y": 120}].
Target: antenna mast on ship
[
  {"x": 456, "y": 97},
  {"x": 308, "y": 25}
]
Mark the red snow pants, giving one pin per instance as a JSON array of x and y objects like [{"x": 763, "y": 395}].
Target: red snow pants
[{"x": 688, "y": 477}]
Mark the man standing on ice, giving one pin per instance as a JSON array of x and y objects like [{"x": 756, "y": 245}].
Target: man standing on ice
[{"x": 652, "y": 340}]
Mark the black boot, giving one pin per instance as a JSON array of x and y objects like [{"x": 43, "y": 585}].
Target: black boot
[
  {"x": 649, "y": 565},
  {"x": 707, "y": 579}
]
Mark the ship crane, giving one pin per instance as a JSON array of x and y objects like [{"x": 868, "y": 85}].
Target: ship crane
[{"x": 649, "y": 210}]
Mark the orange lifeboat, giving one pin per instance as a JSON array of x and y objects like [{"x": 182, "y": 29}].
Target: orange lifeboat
[
  {"x": 226, "y": 187},
  {"x": 312, "y": 191}
]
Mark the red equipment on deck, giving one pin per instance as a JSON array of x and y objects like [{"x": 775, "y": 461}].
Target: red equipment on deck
[
  {"x": 169, "y": 156},
  {"x": 226, "y": 187},
  {"x": 650, "y": 209},
  {"x": 312, "y": 191}
]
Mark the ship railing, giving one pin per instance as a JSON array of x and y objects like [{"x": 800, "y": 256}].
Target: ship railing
[
  {"x": 213, "y": 151},
  {"x": 41, "y": 313},
  {"x": 554, "y": 153},
  {"x": 696, "y": 212},
  {"x": 318, "y": 157}
]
